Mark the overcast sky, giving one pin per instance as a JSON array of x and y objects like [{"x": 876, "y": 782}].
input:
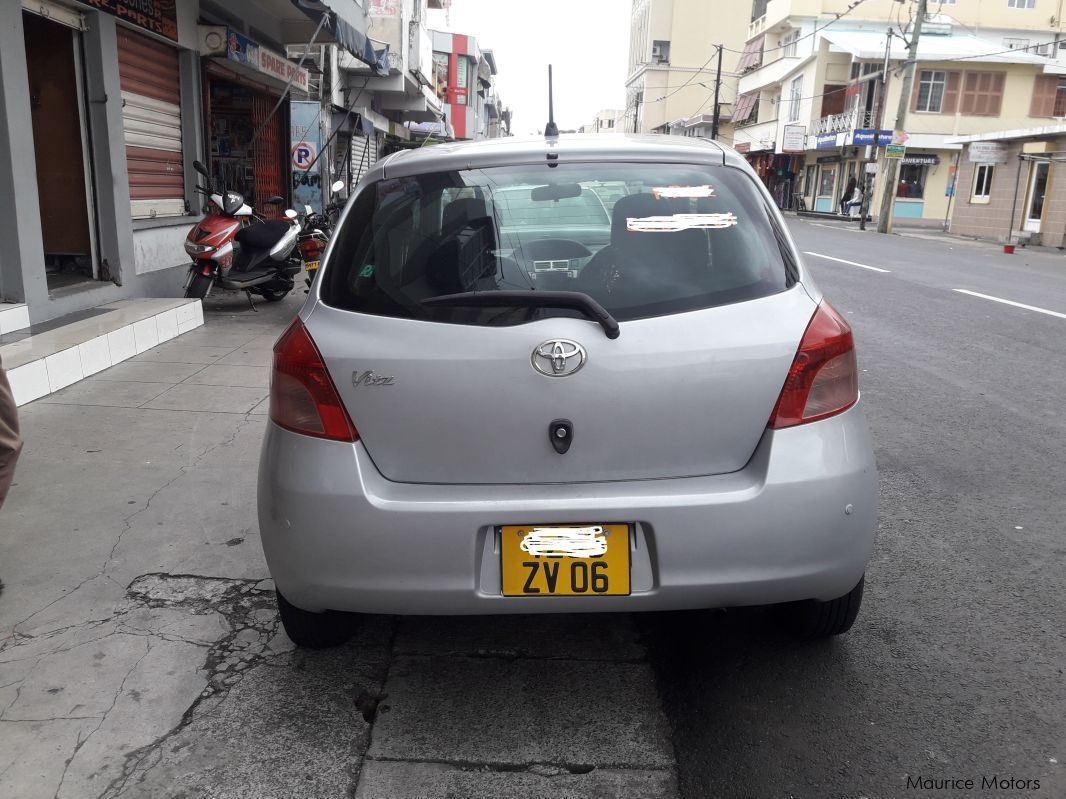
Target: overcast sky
[{"x": 586, "y": 41}]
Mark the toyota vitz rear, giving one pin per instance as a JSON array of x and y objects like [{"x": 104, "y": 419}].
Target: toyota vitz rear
[{"x": 578, "y": 374}]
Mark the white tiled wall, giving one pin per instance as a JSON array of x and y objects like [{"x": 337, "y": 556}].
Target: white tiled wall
[
  {"x": 29, "y": 382},
  {"x": 64, "y": 368},
  {"x": 95, "y": 355},
  {"x": 41, "y": 377},
  {"x": 13, "y": 318}
]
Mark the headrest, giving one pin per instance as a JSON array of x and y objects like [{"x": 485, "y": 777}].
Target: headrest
[{"x": 459, "y": 213}]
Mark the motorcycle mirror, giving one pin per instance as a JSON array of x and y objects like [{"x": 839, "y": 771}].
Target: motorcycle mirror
[
  {"x": 201, "y": 169},
  {"x": 276, "y": 200},
  {"x": 336, "y": 187},
  {"x": 290, "y": 214},
  {"x": 308, "y": 210}
]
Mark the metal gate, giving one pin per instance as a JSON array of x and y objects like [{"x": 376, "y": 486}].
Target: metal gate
[{"x": 270, "y": 172}]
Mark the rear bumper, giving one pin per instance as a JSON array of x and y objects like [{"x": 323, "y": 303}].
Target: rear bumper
[{"x": 797, "y": 522}]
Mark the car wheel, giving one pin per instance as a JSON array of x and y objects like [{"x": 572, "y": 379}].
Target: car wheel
[
  {"x": 812, "y": 619},
  {"x": 315, "y": 630}
]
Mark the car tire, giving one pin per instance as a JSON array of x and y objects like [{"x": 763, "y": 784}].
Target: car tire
[
  {"x": 315, "y": 630},
  {"x": 812, "y": 619}
]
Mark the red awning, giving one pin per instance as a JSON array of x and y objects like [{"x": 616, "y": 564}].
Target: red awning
[
  {"x": 751, "y": 58},
  {"x": 744, "y": 106}
]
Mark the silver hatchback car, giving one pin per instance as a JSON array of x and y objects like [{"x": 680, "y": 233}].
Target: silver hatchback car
[{"x": 575, "y": 374}]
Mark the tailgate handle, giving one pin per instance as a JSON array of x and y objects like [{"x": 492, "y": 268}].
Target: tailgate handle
[{"x": 561, "y": 434}]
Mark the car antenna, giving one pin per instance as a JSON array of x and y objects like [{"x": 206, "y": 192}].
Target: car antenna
[{"x": 551, "y": 129}]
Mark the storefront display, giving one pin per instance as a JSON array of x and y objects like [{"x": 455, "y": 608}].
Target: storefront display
[{"x": 246, "y": 137}]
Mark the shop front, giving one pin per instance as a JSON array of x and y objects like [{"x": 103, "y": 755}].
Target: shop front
[
  {"x": 246, "y": 111},
  {"x": 922, "y": 186},
  {"x": 780, "y": 174},
  {"x": 99, "y": 120}
]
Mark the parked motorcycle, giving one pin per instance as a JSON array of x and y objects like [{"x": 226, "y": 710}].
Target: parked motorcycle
[
  {"x": 234, "y": 248},
  {"x": 316, "y": 232}
]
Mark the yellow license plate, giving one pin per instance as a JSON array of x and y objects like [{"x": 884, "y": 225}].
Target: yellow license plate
[
  {"x": 565, "y": 560},
  {"x": 312, "y": 265}
]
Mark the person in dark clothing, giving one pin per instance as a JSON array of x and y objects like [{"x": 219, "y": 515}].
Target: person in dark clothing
[{"x": 847, "y": 196}]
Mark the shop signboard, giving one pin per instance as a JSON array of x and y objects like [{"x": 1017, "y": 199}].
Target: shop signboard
[
  {"x": 245, "y": 51},
  {"x": 864, "y": 137},
  {"x": 156, "y": 16},
  {"x": 793, "y": 139},
  {"x": 987, "y": 152},
  {"x": 306, "y": 143},
  {"x": 459, "y": 91},
  {"x": 920, "y": 160},
  {"x": 895, "y": 151},
  {"x": 825, "y": 141},
  {"x": 743, "y": 147}
]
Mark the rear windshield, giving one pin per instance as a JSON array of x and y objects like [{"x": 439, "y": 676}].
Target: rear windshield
[{"x": 641, "y": 239}]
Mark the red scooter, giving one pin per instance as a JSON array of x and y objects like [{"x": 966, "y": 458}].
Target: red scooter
[{"x": 234, "y": 248}]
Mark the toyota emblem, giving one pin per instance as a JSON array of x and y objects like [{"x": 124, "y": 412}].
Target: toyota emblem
[{"x": 559, "y": 357}]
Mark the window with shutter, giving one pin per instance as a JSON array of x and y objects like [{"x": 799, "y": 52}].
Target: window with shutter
[
  {"x": 1049, "y": 97},
  {"x": 982, "y": 93},
  {"x": 951, "y": 93},
  {"x": 151, "y": 123}
]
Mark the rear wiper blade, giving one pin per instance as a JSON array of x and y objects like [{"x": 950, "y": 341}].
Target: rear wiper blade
[{"x": 575, "y": 300}]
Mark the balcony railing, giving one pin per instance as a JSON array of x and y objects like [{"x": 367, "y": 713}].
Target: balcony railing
[{"x": 839, "y": 123}]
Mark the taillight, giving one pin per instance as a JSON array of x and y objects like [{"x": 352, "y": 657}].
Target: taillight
[
  {"x": 303, "y": 398},
  {"x": 312, "y": 248},
  {"x": 823, "y": 380}
]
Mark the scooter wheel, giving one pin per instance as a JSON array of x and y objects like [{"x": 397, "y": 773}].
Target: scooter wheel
[
  {"x": 198, "y": 287},
  {"x": 275, "y": 296}
]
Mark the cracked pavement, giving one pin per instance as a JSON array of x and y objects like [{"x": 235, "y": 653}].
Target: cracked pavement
[{"x": 141, "y": 655}]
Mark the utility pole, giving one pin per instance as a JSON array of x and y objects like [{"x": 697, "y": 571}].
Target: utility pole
[
  {"x": 879, "y": 122},
  {"x": 888, "y": 190},
  {"x": 717, "y": 89}
]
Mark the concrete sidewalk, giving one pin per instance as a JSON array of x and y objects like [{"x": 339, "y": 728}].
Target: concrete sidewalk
[{"x": 140, "y": 654}]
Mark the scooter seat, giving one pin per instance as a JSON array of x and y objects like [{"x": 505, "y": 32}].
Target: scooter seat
[{"x": 262, "y": 235}]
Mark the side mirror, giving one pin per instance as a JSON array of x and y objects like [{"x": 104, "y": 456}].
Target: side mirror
[
  {"x": 276, "y": 200},
  {"x": 308, "y": 210},
  {"x": 290, "y": 214},
  {"x": 336, "y": 187},
  {"x": 201, "y": 169}
]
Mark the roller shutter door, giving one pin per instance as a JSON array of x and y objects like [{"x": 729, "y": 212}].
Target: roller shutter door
[
  {"x": 364, "y": 154},
  {"x": 151, "y": 122}
]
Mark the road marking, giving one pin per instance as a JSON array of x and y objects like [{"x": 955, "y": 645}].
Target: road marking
[
  {"x": 849, "y": 263},
  {"x": 1012, "y": 302},
  {"x": 845, "y": 228}
]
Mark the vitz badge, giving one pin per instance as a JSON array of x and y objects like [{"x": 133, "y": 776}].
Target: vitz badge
[{"x": 368, "y": 378}]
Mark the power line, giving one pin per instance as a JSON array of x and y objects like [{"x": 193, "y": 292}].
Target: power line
[{"x": 814, "y": 32}]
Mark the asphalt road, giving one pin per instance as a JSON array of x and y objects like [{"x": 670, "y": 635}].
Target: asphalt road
[
  {"x": 955, "y": 668},
  {"x": 140, "y": 654}
]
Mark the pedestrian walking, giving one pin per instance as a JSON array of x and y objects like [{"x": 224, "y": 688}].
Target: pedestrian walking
[{"x": 10, "y": 442}]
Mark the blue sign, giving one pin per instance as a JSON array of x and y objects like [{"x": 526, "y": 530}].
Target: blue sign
[
  {"x": 306, "y": 143},
  {"x": 825, "y": 141},
  {"x": 865, "y": 137}
]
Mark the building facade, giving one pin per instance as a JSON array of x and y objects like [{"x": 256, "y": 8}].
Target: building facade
[
  {"x": 104, "y": 107},
  {"x": 810, "y": 86},
  {"x": 1012, "y": 186},
  {"x": 464, "y": 82},
  {"x": 607, "y": 120},
  {"x": 673, "y": 64}
]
